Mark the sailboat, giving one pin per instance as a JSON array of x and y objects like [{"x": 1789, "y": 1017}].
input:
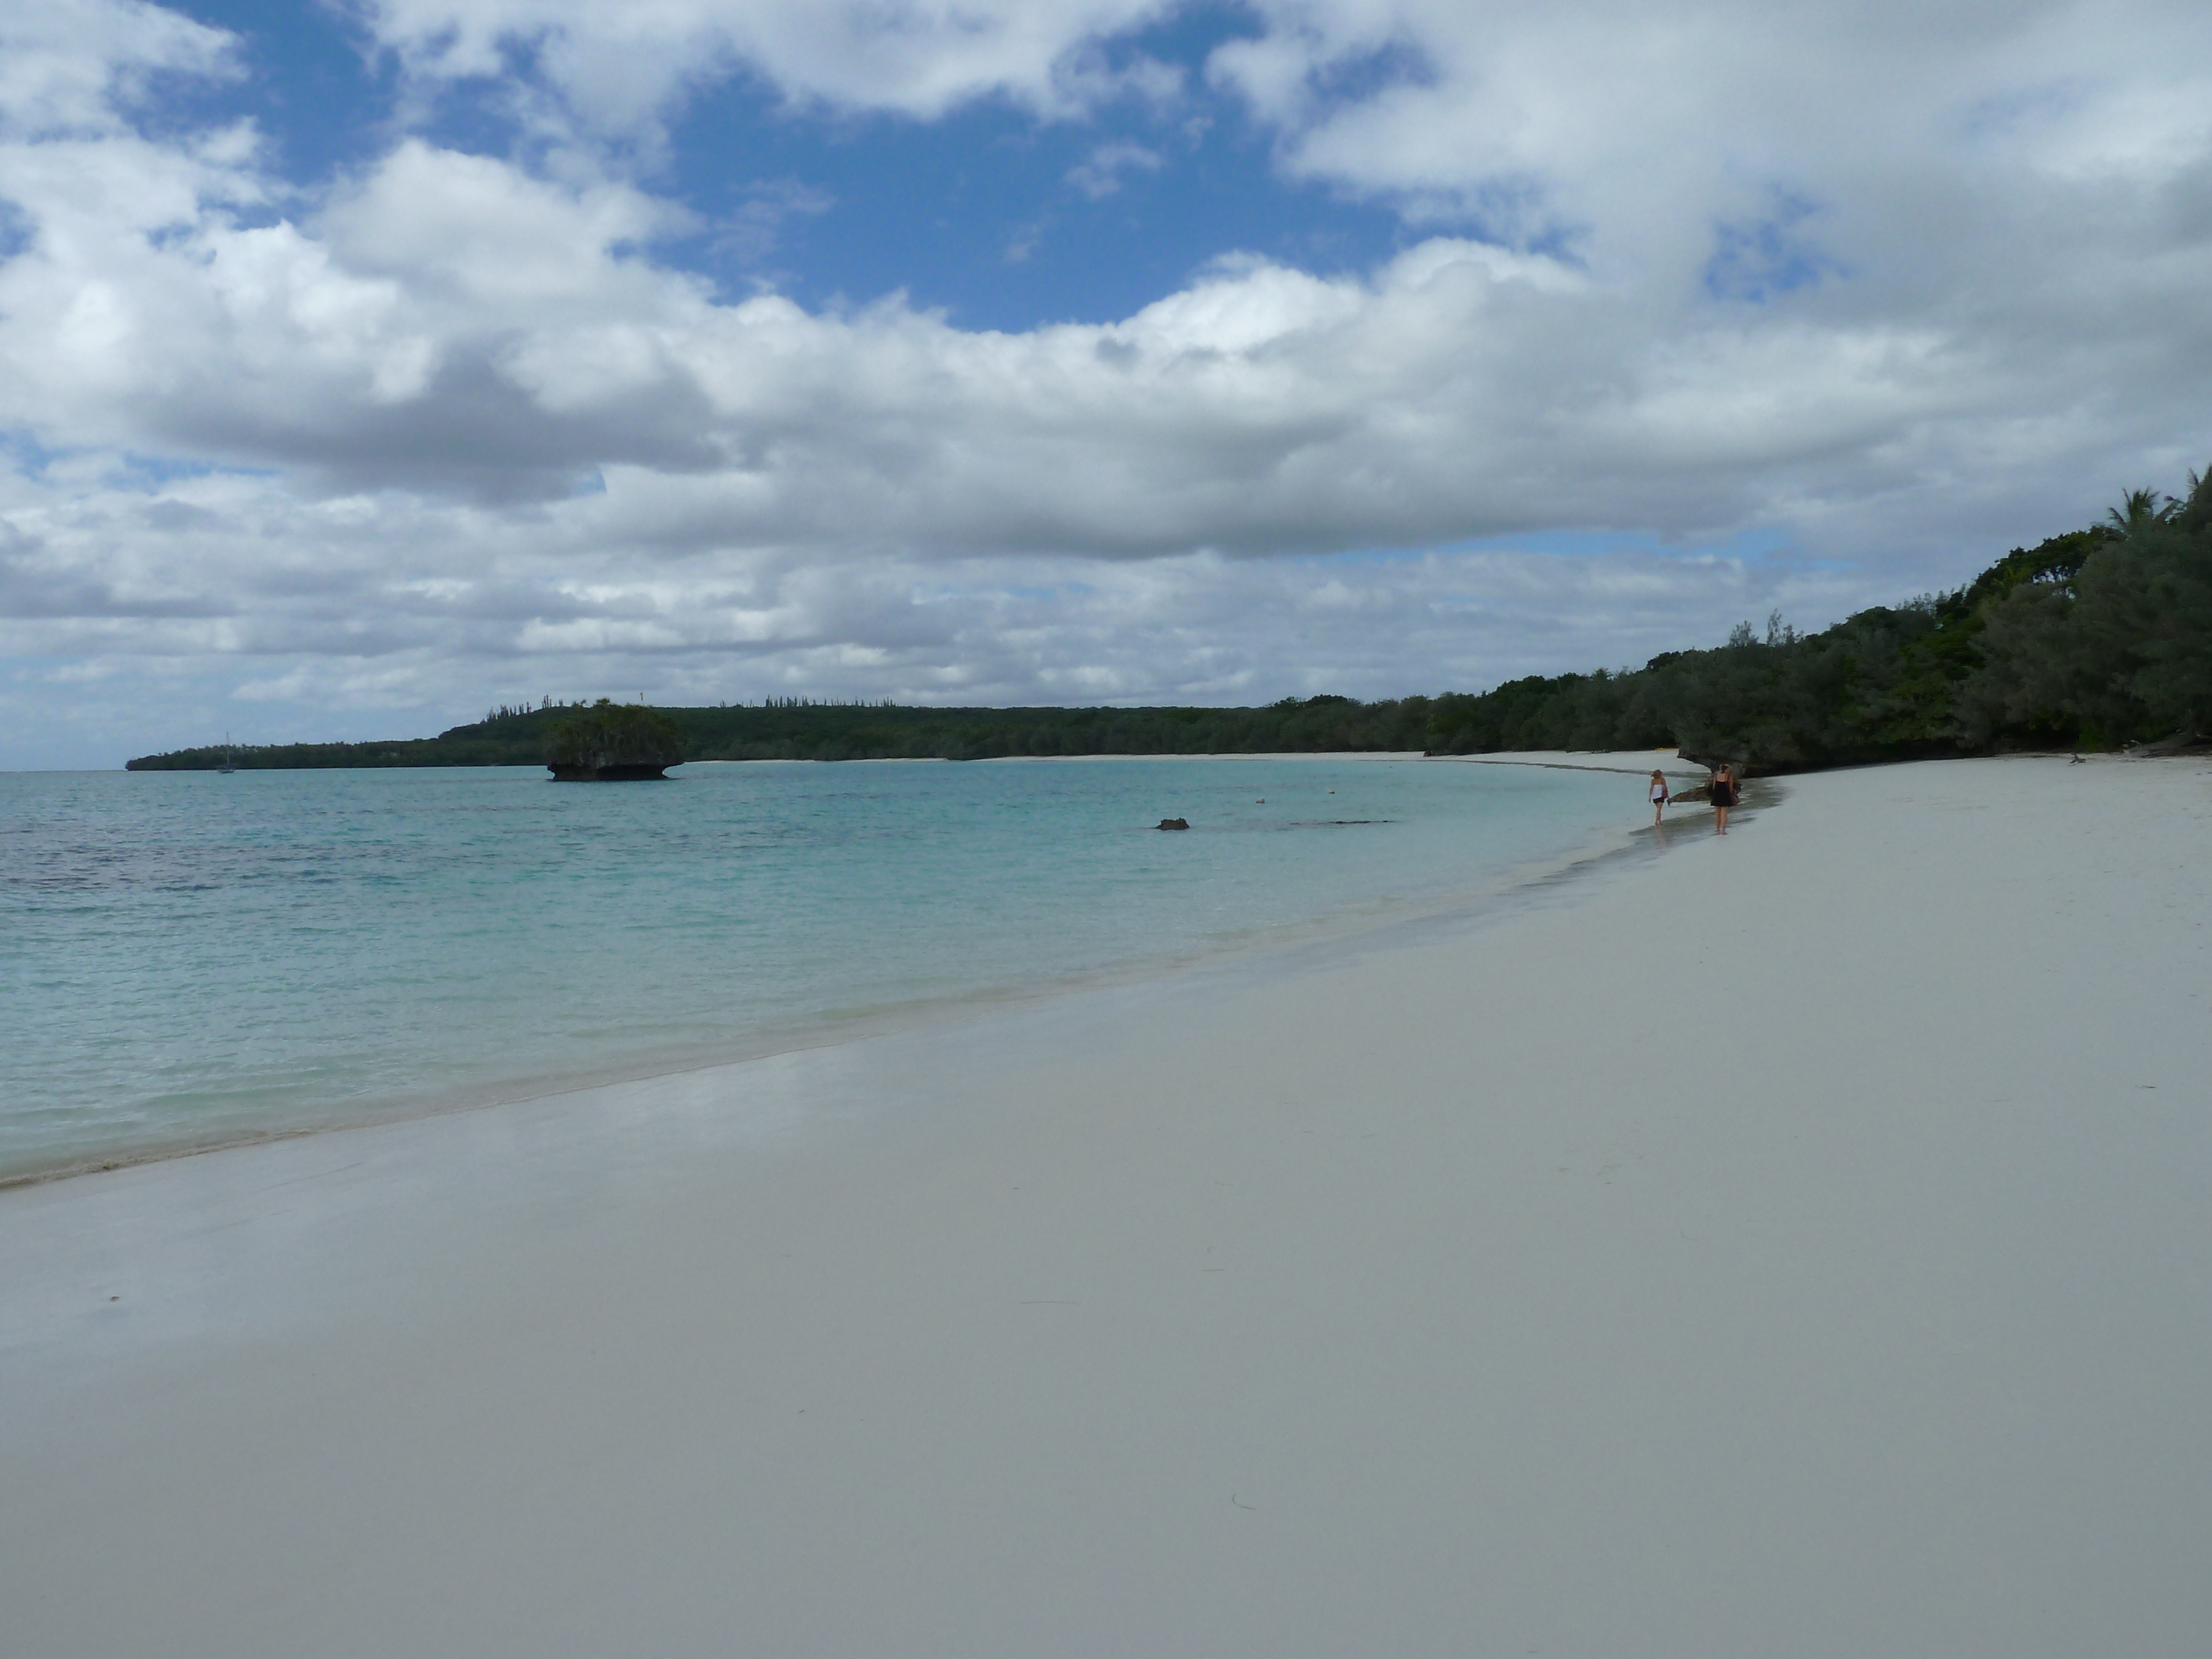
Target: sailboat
[{"x": 229, "y": 756}]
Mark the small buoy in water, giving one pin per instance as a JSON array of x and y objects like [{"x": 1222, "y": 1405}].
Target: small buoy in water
[{"x": 1262, "y": 801}]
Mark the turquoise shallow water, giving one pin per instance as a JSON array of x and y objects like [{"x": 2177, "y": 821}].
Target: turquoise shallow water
[{"x": 188, "y": 958}]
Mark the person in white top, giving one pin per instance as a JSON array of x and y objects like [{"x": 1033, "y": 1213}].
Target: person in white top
[{"x": 1659, "y": 796}]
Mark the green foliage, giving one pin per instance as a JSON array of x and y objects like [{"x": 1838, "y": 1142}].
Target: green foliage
[
  {"x": 609, "y": 734},
  {"x": 888, "y": 733},
  {"x": 795, "y": 729},
  {"x": 2099, "y": 636},
  {"x": 2118, "y": 650},
  {"x": 450, "y": 750}
]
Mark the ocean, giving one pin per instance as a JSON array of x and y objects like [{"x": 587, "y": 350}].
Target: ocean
[{"x": 189, "y": 959}]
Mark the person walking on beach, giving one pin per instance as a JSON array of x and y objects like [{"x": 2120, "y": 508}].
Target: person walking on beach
[
  {"x": 1659, "y": 797},
  {"x": 1721, "y": 792}
]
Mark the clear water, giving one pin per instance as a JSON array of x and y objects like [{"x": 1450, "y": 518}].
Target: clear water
[{"x": 188, "y": 958}]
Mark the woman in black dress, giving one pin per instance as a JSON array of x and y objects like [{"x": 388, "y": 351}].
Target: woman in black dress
[{"x": 1723, "y": 793}]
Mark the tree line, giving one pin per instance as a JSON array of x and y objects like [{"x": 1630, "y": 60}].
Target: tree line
[
  {"x": 2094, "y": 639},
  {"x": 831, "y": 732}
]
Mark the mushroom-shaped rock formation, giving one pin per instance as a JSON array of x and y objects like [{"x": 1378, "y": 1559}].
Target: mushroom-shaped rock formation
[{"x": 614, "y": 743}]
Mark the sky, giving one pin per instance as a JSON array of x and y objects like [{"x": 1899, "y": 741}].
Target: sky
[{"x": 365, "y": 364}]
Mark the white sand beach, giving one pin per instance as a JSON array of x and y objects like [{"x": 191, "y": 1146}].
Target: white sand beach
[{"x": 1796, "y": 1244}]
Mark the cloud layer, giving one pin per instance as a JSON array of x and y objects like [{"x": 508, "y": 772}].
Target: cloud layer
[{"x": 1856, "y": 300}]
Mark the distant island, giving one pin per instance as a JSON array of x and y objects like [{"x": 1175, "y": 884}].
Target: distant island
[{"x": 2095, "y": 639}]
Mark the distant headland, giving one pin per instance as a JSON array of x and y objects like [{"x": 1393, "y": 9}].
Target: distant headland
[
  {"x": 801, "y": 729},
  {"x": 2096, "y": 638}
]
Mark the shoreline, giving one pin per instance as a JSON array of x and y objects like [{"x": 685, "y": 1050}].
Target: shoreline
[
  {"x": 520, "y": 1092},
  {"x": 1787, "y": 1246}
]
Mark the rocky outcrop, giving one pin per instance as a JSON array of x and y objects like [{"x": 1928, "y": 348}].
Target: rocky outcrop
[
  {"x": 613, "y": 743},
  {"x": 1175, "y": 823},
  {"x": 620, "y": 772}
]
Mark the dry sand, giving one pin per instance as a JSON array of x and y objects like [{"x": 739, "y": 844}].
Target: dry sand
[{"x": 1795, "y": 1245}]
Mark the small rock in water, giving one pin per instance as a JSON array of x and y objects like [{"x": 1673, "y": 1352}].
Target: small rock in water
[{"x": 1175, "y": 823}]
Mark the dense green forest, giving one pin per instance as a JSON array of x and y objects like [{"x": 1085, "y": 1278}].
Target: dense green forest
[
  {"x": 2095, "y": 639},
  {"x": 797, "y": 730}
]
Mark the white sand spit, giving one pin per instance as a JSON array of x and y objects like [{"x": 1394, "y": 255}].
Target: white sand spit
[{"x": 1796, "y": 1245}]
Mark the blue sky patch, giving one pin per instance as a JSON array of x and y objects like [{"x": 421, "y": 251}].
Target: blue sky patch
[
  {"x": 1761, "y": 259},
  {"x": 997, "y": 217}
]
